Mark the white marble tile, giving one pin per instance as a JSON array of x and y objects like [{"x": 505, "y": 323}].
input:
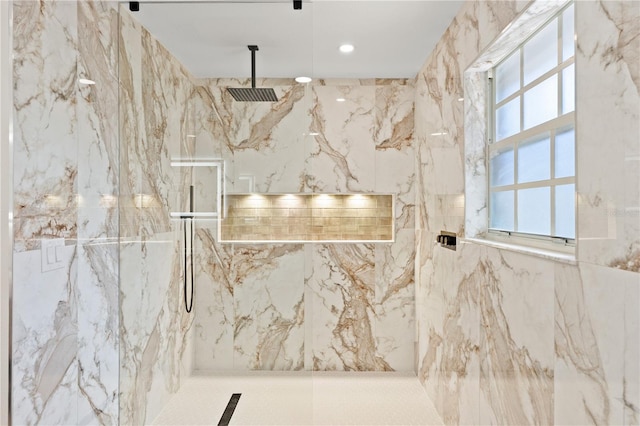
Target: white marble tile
[
  {"x": 394, "y": 116},
  {"x": 394, "y": 172},
  {"x": 157, "y": 117},
  {"x": 269, "y": 307},
  {"x": 98, "y": 332},
  {"x": 62, "y": 403},
  {"x": 395, "y": 300},
  {"x": 343, "y": 154},
  {"x": 273, "y": 151},
  {"x": 45, "y": 314},
  {"x": 44, "y": 98},
  {"x": 263, "y": 142},
  {"x": 590, "y": 344},
  {"x": 213, "y": 305},
  {"x": 97, "y": 295},
  {"x": 598, "y": 358},
  {"x": 608, "y": 108},
  {"x": 342, "y": 284},
  {"x": 430, "y": 309},
  {"x": 476, "y": 205},
  {"x": 131, "y": 123},
  {"x": 45, "y": 340},
  {"x": 483, "y": 339},
  {"x": 631, "y": 383},
  {"x": 243, "y": 142},
  {"x": 154, "y": 325},
  {"x": 517, "y": 320},
  {"x": 459, "y": 275}
]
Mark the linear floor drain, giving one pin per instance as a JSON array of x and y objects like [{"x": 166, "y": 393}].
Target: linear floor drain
[{"x": 228, "y": 412}]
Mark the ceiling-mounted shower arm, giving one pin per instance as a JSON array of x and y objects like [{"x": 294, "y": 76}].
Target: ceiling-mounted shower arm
[
  {"x": 253, "y": 48},
  {"x": 253, "y": 94}
]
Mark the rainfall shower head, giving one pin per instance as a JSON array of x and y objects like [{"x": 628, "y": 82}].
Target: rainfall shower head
[{"x": 253, "y": 94}]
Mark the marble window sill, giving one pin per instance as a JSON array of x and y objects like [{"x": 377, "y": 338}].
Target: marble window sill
[{"x": 555, "y": 256}]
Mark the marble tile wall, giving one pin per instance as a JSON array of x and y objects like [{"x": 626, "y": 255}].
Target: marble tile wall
[
  {"x": 156, "y": 117},
  {"x": 91, "y": 170},
  {"x": 347, "y": 306},
  {"x": 608, "y": 196},
  {"x": 98, "y": 221},
  {"x": 511, "y": 338},
  {"x": 502, "y": 337},
  {"x": 65, "y": 334}
]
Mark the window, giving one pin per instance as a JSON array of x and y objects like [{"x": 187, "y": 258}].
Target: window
[{"x": 531, "y": 152}]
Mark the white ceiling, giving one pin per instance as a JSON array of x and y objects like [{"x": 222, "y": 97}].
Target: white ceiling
[{"x": 392, "y": 38}]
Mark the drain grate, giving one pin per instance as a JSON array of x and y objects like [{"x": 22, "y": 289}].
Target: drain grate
[{"x": 228, "y": 412}]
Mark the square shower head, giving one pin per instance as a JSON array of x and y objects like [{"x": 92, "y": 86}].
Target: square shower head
[{"x": 252, "y": 94}]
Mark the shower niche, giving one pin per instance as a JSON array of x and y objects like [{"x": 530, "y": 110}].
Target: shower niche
[
  {"x": 307, "y": 217},
  {"x": 203, "y": 200}
]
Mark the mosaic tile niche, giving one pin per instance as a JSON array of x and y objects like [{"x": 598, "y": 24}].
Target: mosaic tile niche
[{"x": 307, "y": 217}]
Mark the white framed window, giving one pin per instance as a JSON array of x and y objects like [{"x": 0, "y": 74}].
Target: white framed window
[{"x": 531, "y": 147}]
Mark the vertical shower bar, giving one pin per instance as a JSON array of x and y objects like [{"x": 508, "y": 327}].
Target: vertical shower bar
[
  {"x": 191, "y": 200},
  {"x": 189, "y": 218}
]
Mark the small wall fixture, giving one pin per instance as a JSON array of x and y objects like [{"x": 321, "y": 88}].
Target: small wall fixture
[
  {"x": 447, "y": 240},
  {"x": 297, "y": 4}
]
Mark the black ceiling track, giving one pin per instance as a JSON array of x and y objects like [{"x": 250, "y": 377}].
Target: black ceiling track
[
  {"x": 297, "y": 4},
  {"x": 134, "y": 6}
]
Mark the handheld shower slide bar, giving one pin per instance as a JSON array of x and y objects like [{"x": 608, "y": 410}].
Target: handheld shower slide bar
[{"x": 188, "y": 305}]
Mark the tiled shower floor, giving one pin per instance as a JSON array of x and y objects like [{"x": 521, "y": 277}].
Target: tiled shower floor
[{"x": 270, "y": 398}]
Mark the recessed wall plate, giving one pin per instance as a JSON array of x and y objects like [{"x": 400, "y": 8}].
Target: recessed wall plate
[
  {"x": 447, "y": 240},
  {"x": 52, "y": 256}
]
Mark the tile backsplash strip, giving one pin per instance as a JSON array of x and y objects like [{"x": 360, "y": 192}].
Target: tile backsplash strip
[{"x": 307, "y": 217}]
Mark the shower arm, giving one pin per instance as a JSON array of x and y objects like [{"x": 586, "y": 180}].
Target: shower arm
[{"x": 253, "y": 49}]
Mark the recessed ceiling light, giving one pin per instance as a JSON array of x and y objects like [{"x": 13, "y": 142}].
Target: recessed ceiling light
[
  {"x": 86, "y": 81},
  {"x": 340, "y": 99},
  {"x": 346, "y": 48},
  {"x": 302, "y": 79}
]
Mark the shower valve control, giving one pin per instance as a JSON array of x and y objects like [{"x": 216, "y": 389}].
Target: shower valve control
[{"x": 447, "y": 240}]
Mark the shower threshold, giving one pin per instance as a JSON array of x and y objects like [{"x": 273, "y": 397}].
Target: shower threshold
[{"x": 300, "y": 398}]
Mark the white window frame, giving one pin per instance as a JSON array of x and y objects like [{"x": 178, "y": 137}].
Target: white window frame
[{"x": 550, "y": 128}]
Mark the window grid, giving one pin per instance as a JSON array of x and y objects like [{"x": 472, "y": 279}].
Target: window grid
[{"x": 560, "y": 123}]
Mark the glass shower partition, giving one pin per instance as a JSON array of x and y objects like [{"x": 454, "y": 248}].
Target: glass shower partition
[
  {"x": 184, "y": 144},
  {"x": 341, "y": 298}
]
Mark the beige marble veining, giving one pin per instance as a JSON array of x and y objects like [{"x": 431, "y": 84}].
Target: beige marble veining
[
  {"x": 501, "y": 337},
  {"x": 66, "y": 154},
  {"x": 292, "y": 158},
  {"x": 98, "y": 221},
  {"x": 109, "y": 175},
  {"x": 45, "y": 85},
  {"x": 511, "y": 338},
  {"x": 157, "y": 95},
  {"x": 608, "y": 220}
]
